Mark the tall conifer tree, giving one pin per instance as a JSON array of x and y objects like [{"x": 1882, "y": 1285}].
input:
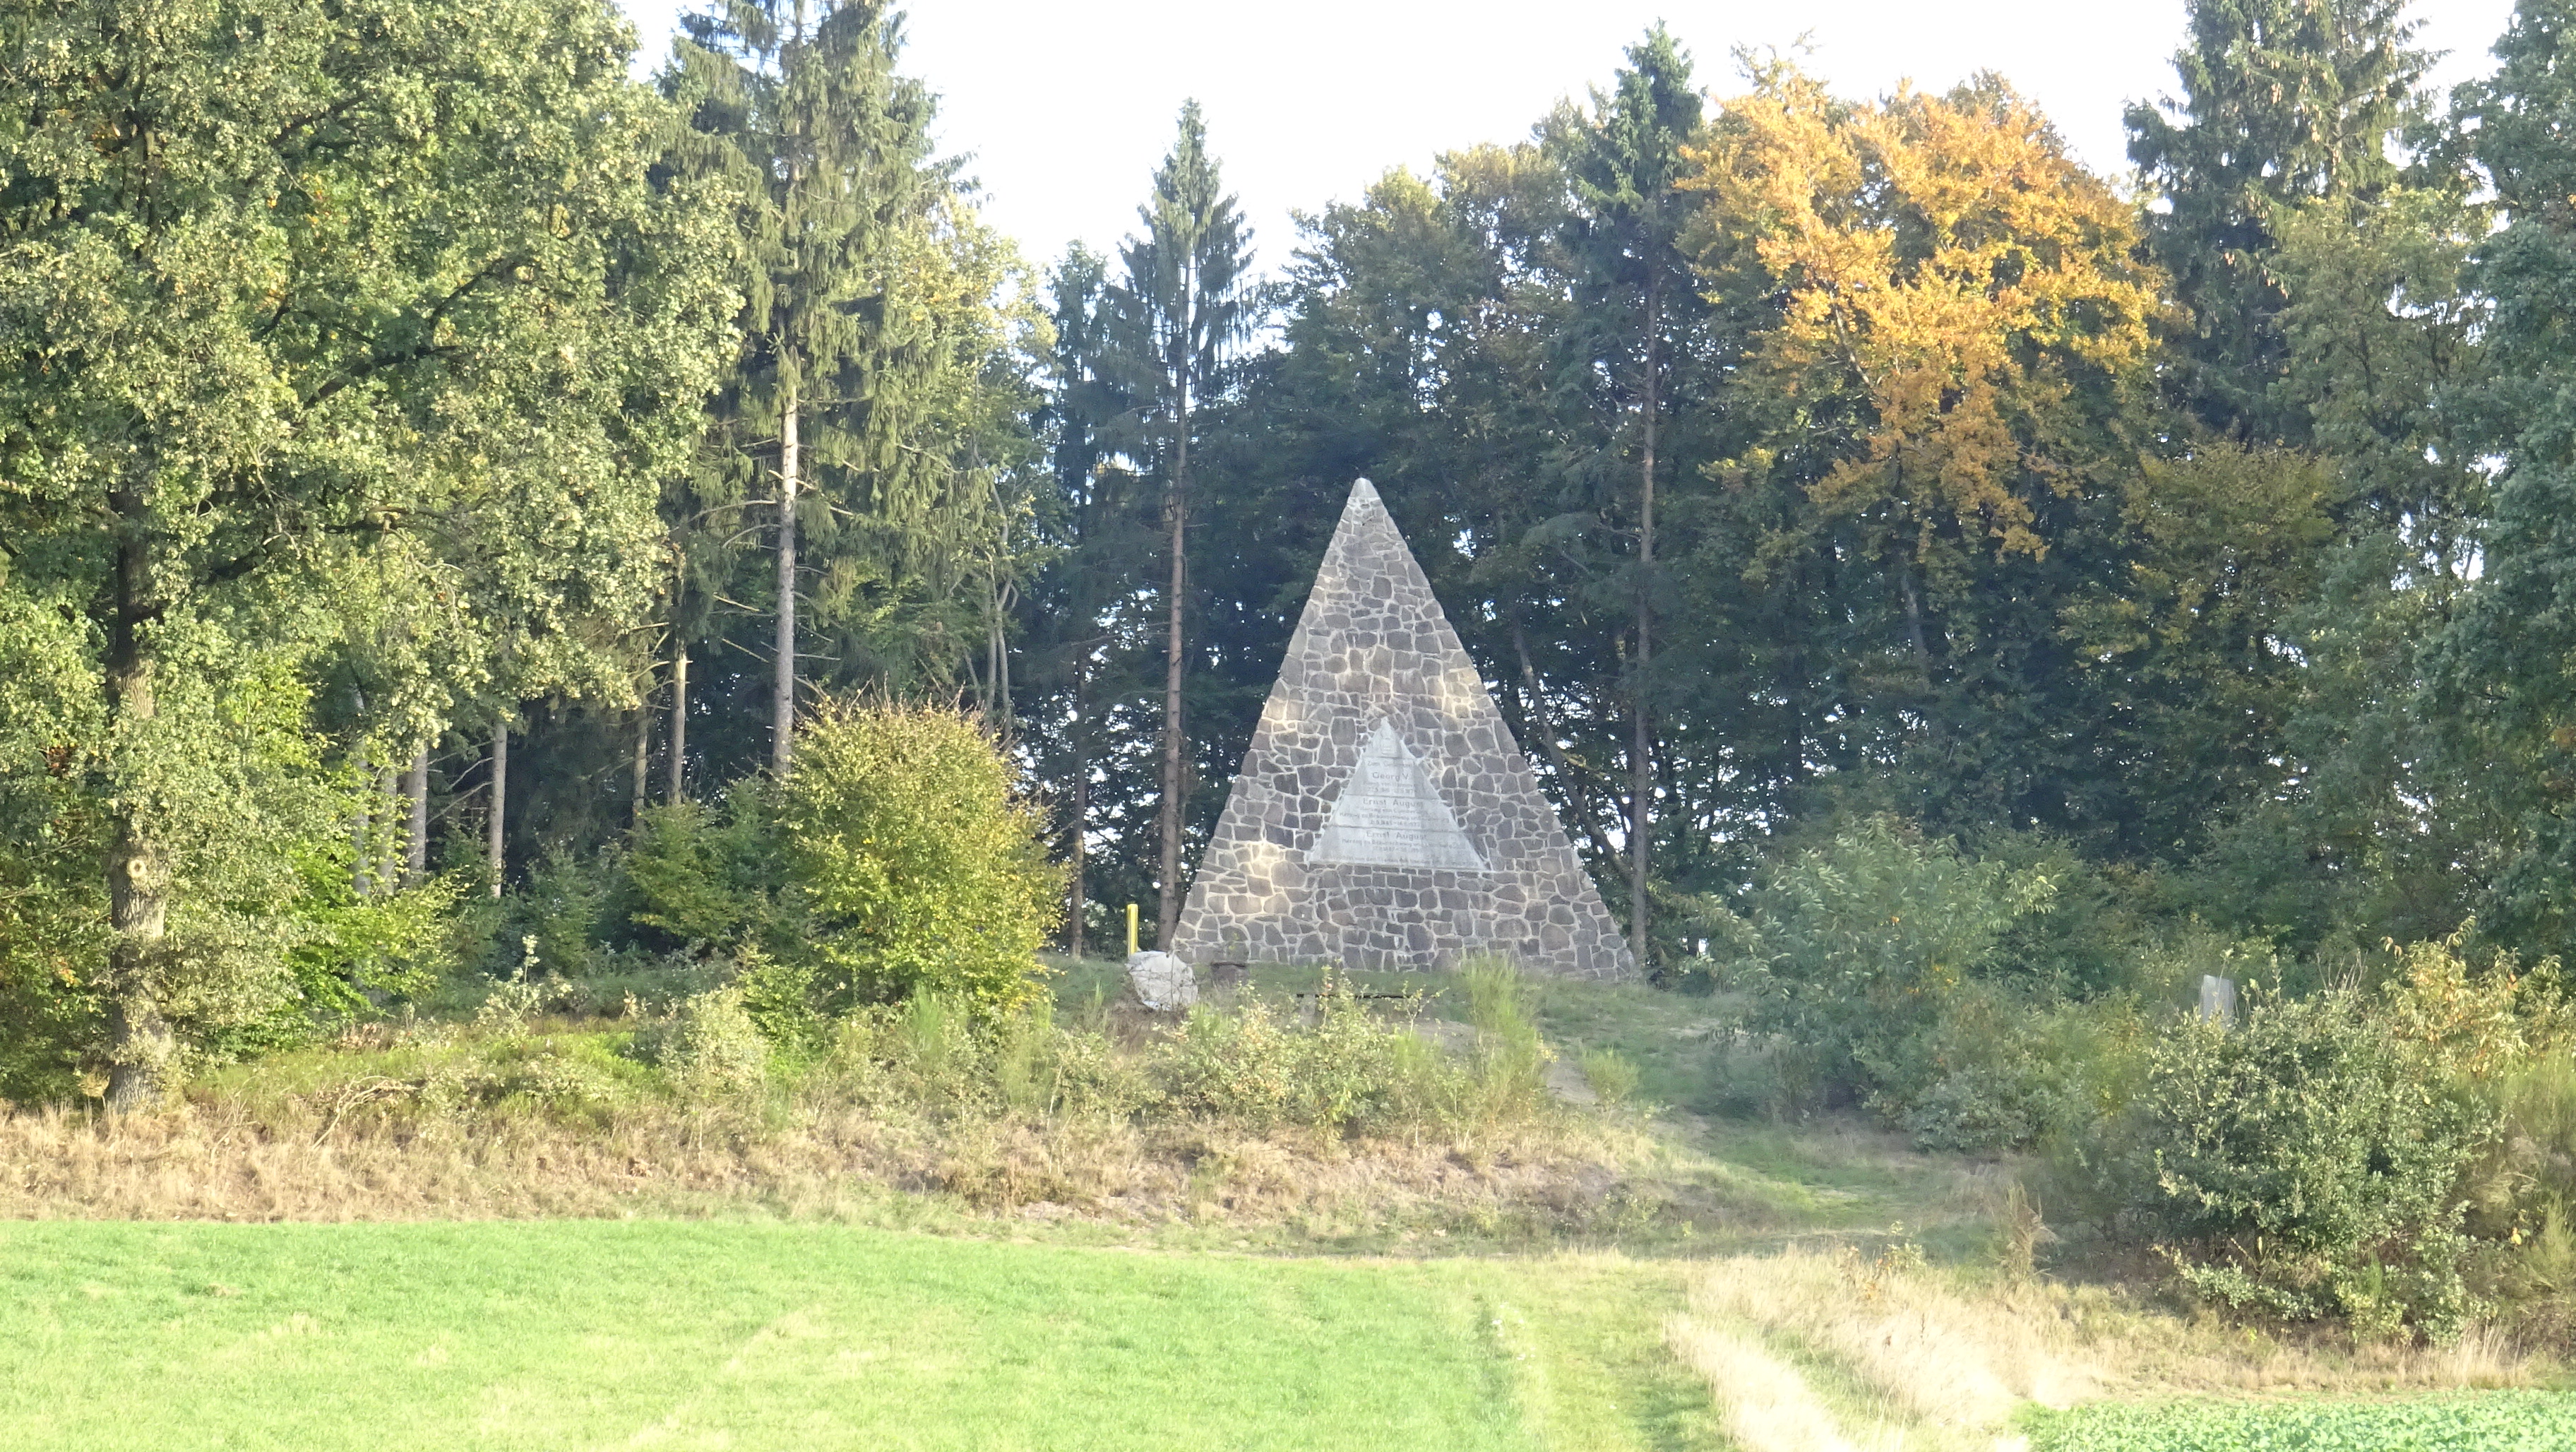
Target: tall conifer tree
[
  {"x": 1185, "y": 305},
  {"x": 2510, "y": 657},
  {"x": 1633, "y": 288},
  {"x": 2283, "y": 101},
  {"x": 828, "y": 146}
]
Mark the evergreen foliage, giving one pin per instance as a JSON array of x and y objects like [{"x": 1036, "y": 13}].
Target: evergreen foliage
[
  {"x": 2505, "y": 661},
  {"x": 2283, "y": 101},
  {"x": 1184, "y": 306},
  {"x": 1953, "y": 605}
]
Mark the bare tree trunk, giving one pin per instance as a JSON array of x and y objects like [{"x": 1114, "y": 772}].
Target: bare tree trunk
[
  {"x": 138, "y": 889},
  {"x": 384, "y": 849},
  {"x": 1081, "y": 802},
  {"x": 1641, "y": 788},
  {"x": 416, "y": 851},
  {"x": 782, "y": 729},
  {"x": 358, "y": 834},
  {"x": 679, "y": 727},
  {"x": 494, "y": 830},
  {"x": 643, "y": 762},
  {"x": 138, "y": 875},
  {"x": 1168, "y": 919},
  {"x": 998, "y": 713}
]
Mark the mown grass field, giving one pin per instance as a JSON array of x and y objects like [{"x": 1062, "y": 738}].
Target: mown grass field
[{"x": 749, "y": 1335}]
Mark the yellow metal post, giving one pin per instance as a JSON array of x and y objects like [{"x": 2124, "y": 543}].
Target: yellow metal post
[{"x": 1131, "y": 930}]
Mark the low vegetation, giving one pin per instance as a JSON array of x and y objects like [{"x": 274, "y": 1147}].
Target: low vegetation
[
  {"x": 581, "y": 1335},
  {"x": 2496, "y": 1422},
  {"x": 2381, "y": 1140}
]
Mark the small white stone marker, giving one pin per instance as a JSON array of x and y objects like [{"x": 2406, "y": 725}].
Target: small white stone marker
[
  {"x": 1162, "y": 982},
  {"x": 2218, "y": 1000}
]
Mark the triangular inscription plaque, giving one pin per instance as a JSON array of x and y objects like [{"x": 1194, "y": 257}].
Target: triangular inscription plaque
[
  {"x": 1390, "y": 815},
  {"x": 1384, "y": 817}
]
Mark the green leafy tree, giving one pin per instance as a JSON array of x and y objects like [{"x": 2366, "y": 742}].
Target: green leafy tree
[
  {"x": 2504, "y": 670},
  {"x": 2374, "y": 826},
  {"x": 1941, "y": 397},
  {"x": 925, "y": 871},
  {"x": 292, "y": 297}
]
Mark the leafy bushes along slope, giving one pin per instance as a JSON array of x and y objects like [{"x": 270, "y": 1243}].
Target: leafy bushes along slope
[
  {"x": 2391, "y": 1149},
  {"x": 895, "y": 858}
]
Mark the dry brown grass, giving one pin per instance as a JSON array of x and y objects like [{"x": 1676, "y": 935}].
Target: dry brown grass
[
  {"x": 1917, "y": 1357},
  {"x": 1765, "y": 1403},
  {"x": 322, "y": 1159}
]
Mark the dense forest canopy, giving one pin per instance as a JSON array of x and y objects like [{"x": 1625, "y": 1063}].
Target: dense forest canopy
[{"x": 430, "y": 458}]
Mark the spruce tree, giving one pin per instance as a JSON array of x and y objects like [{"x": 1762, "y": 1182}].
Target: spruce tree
[
  {"x": 2510, "y": 658},
  {"x": 2283, "y": 101},
  {"x": 827, "y": 146},
  {"x": 1186, "y": 303},
  {"x": 1085, "y": 646},
  {"x": 1634, "y": 291}
]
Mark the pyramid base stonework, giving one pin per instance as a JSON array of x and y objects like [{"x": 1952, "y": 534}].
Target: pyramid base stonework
[{"x": 1384, "y": 817}]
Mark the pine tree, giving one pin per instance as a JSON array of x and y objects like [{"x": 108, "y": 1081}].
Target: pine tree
[
  {"x": 2283, "y": 101},
  {"x": 1185, "y": 305},
  {"x": 1633, "y": 291}
]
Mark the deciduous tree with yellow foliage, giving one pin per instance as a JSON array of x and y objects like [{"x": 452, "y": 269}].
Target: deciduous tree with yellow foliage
[
  {"x": 1956, "y": 295},
  {"x": 1958, "y": 325}
]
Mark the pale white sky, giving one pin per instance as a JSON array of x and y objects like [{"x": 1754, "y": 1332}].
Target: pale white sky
[{"x": 1066, "y": 107}]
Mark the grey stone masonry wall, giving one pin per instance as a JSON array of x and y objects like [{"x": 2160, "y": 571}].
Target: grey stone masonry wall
[{"x": 1384, "y": 817}]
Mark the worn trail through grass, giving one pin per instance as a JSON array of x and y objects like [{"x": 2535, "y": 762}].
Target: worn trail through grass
[{"x": 755, "y": 1335}]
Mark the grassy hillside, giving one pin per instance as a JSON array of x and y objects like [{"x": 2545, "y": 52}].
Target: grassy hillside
[{"x": 543, "y": 1239}]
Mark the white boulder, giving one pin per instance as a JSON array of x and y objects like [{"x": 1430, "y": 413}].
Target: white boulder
[{"x": 1162, "y": 982}]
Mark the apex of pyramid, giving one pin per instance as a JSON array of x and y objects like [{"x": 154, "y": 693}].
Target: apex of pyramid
[
  {"x": 1364, "y": 513},
  {"x": 1384, "y": 817}
]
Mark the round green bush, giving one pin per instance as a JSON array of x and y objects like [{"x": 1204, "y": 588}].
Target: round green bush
[{"x": 921, "y": 865}]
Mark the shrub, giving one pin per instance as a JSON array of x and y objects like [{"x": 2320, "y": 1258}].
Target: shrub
[
  {"x": 562, "y": 919},
  {"x": 2308, "y": 1162},
  {"x": 1349, "y": 1073},
  {"x": 398, "y": 942},
  {"x": 707, "y": 877},
  {"x": 922, "y": 867},
  {"x": 779, "y": 996},
  {"x": 1509, "y": 1063},
  {"x": 1239, "y": 1066},
  {"x": 714, "y": 1051},
  {"x": 1871, "y": 955}
]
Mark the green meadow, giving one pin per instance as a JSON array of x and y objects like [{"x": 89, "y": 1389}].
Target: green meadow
[{"x": 748, "y": 1335}]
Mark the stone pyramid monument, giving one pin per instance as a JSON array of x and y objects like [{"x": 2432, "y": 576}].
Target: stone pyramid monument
[{"x": 1384, "y": 817}]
